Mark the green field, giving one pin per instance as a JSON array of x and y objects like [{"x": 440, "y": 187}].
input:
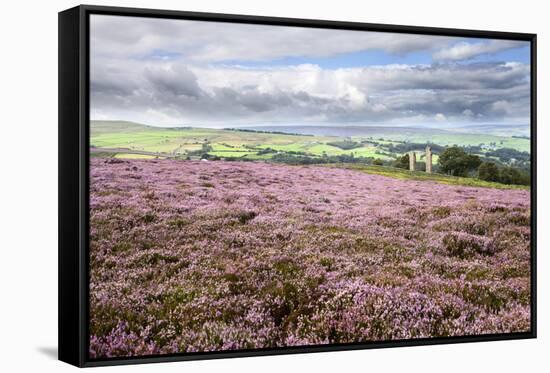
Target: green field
[{"x": 127, "y": 139}]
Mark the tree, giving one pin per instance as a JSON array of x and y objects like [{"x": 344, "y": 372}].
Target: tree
[
  {"x": 488, "y": 171},
  {"x": 455, "y": 161},
  {"x": 472, "y": 162},
  {"x": 378, "y": 162},
  {"x": 402, "y": 162},
  {"x": 509, "y": 175},
  {"x": 449, "y": 160}
]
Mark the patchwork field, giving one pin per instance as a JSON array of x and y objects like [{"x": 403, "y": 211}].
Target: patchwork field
[
  {"x": 202, "y": 256},
  {"x": 125, "y": 138}
]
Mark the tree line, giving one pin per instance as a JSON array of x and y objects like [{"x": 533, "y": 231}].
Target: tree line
[{"x": 455, "y": 161}]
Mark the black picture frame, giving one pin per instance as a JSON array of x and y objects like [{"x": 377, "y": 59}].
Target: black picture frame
[{"x": 74, "y": 84}]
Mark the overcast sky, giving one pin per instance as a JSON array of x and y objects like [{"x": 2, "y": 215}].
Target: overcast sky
[{"x": 175, "y": 72}]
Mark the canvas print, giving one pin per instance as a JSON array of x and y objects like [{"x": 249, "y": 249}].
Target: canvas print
[{"x": 257, "y": 187}]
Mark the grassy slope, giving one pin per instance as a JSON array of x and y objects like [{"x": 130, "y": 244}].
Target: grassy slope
[
  {"x": 399, "y": 173},
  {"x": 101, "y": 127}
]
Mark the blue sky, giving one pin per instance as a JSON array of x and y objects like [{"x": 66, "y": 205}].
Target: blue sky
[
  {"x": 344, "y": 60},
  {"x": 362, "y": 58},
  {"x": 377, "y": 57}
]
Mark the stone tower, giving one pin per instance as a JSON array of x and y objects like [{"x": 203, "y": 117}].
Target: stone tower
[
  {"x": 428, "y": 159},
  {"x": 412, "y": 161}
]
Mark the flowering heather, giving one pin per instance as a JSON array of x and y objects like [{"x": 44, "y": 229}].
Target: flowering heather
[{"x": 200, "y": 256}]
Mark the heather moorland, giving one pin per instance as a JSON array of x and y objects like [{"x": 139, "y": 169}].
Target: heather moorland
[{"x": 192, "y": 256}]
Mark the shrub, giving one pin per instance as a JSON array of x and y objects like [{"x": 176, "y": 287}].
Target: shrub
[
  {"x": 465, "y": 245},
  {"x": 149, "y": 217},
  {"x": 519, "y": 219},
  {"x": 488, "y": 171},
  {"x": 245, "y": 216},
  {"x": 345, "y": 145},
  {"x": 509, "y": 175},
  {"x": 402, "y": 162}
]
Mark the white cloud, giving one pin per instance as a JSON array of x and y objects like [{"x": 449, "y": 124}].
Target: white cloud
[
  {"x": 466, "y": 50},
  {"x": 439, "y": 117},
  {"x": 174, "y": 72},
  {"x": 502, "y": 107}
]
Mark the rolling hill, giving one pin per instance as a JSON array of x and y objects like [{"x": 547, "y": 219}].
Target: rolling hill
[{"x": 127, "y": 139}]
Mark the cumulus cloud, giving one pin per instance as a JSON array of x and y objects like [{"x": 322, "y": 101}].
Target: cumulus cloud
[
  {"x": 193, "y": 95},
  {"x": 439, "y": 117},
  {"x": 173, "y": 72},
  {"x": 502, "y": 107},
  {"x": 175, "y": 80}
]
